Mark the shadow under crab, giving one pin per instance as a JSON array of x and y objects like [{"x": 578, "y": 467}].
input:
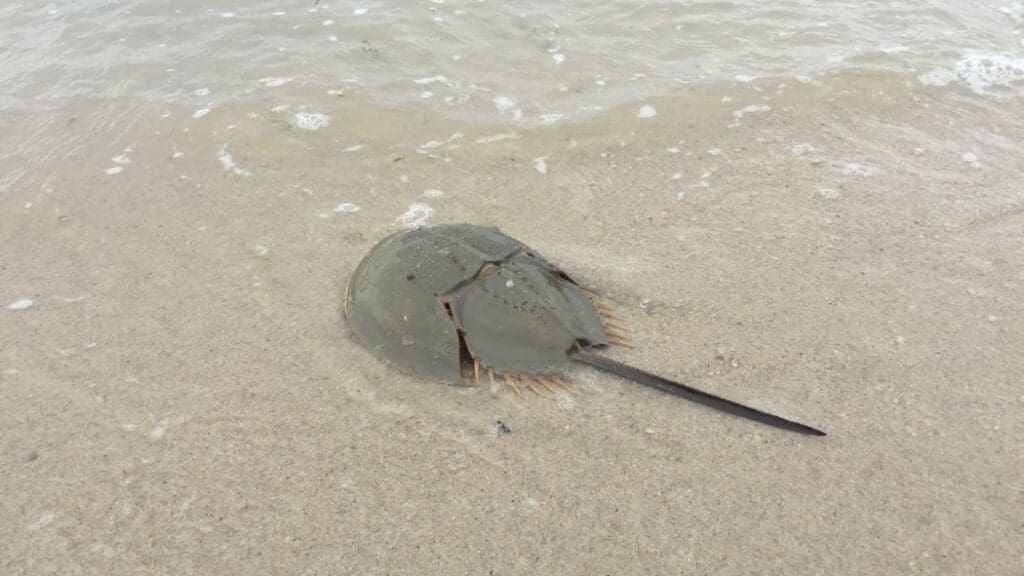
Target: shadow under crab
[{"x": 457, "y": 302}]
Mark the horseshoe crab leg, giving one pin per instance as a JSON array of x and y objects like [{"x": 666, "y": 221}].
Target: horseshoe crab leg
[
  {"x": 558, "y": 380},
  {"x": 620, "y": 340},
  {"x": 675, "y": 388},
  {"x": 615, "y": 324},
  {"x": 544, "y": 382},
  {"x": 526, "y": 380},
  {"x": 511, "y": 384}
]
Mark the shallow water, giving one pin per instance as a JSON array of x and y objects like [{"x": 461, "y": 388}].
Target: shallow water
[
  {"x": 814, "y": 208},
  {"x": 518, "y": 64}
]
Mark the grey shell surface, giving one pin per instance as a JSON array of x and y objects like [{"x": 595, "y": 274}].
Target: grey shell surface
[{"x": 417, "y": 291}]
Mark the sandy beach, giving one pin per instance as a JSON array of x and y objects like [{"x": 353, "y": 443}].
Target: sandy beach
[{"x": 179, "y": 393}]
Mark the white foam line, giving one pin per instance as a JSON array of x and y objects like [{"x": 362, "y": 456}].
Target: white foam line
[
  {"x": 23, "y": 304},
  {"x": 229, "y": 163},
  {"x": 497, "y": 138},
  {"x": 415, "y": 216}
]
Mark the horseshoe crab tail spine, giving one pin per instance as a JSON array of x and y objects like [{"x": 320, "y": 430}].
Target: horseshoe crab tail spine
[{"x": 675, "y": 388}]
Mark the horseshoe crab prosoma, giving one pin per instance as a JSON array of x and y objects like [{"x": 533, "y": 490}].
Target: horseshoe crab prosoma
[{"x": 452, "y": 302}]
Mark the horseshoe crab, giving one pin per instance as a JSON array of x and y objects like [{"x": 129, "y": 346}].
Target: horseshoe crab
[{"x": 454, "y": 301}]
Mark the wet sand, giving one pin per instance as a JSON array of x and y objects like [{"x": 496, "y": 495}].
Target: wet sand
[{"x": 182, "y": 395}]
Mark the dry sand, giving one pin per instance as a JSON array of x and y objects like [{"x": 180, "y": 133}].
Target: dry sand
[{"x": 183, "y": 397}]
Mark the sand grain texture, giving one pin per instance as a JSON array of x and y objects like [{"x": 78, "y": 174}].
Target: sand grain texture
[{"x": 183, "y": 396}]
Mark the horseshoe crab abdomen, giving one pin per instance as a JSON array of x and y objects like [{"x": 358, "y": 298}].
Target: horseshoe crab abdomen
[{"x": 523, "y": 317}]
